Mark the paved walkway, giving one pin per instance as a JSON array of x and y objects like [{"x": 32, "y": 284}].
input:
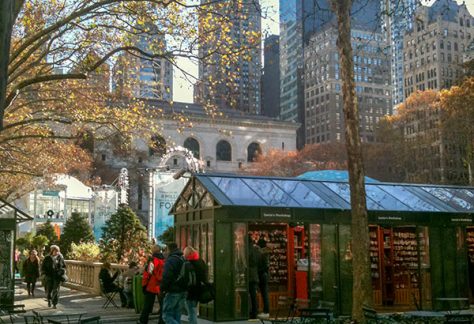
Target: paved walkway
[{"x": 73, "y": 301}]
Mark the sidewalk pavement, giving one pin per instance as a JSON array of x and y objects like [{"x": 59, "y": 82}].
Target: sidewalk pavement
[{"x": 74, "y": 301}]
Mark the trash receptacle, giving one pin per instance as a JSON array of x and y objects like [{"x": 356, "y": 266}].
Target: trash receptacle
[{"x": 138, "y": 296}]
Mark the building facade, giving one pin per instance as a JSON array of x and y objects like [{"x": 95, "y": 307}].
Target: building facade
[
  {"x": 228, "y": 80},
  {"x": 229, "y": 143},
  {"x": 324, "y": 120},
  {"x": 434, "y": 47},
  {"x": 271, "y": 77}
]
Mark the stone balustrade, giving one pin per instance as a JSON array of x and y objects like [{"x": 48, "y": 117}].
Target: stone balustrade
[{"x": 84, "y": 275}]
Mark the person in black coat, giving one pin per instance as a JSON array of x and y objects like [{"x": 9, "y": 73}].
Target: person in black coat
[
  {"x": 31, "y": 272},
  {"x": 54, "y": 269},
  {"x": 254, "y": 260},
  {"x": 108, "y": 282},
  {"x": 174, "y": 294},
  {"x": 263, "y": 267},
  {"x": 200, "y": 268}
]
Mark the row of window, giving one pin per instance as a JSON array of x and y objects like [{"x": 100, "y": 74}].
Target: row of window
[{"x": 223, "y": 149}]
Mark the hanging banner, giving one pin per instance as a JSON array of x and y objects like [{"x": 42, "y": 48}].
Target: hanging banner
[
  {"x": 105, "y": 204},
  {"x": 166, "y": 190}
]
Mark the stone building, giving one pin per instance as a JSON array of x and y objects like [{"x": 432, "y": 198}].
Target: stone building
[
  {"x": 226, "y": 143},
  {"x": 434, "y": 47},
  {"x": 324, "y": 120}
]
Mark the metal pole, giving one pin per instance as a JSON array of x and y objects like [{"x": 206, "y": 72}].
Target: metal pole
[{"x": 151, "y": 208}]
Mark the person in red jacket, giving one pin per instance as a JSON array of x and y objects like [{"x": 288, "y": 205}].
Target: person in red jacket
[{"x": 151, "y": 283}]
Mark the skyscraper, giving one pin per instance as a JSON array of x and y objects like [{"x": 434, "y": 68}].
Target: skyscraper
[
  {"x": 291, "y": 63},
  {"x": 271, "y": 77},
  {"x": 324, "y": 120},
  {"x": 143, "y": 77},
  {"x": 396, "y": 20},
  {"x": 230, "y": 65}
]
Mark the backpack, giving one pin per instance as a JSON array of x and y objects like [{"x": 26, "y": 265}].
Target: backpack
[{"x": 187, "y": 275}]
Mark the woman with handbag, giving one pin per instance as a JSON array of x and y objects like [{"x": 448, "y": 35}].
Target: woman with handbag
[
  {"x": 194, "y": 292},
  {"x": 54, "y": 270},
  {"x": 30, "y": 271}
]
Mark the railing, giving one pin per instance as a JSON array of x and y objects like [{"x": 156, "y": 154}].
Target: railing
[{"x": 84, "y": 276}]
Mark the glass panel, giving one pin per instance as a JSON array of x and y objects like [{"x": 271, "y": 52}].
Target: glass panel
[
  {"x": 408, "y": 198},
  {"x": 207, "y": 201},
  {"x": 238, "y": 192},
  {"x": 381, "y": 200},
  {"x": 460, "y": 199},
  {"x": 210, "y": 251},
  {"x": 316, "y": 284},
  {"x": 341, "y": 189},
  {"x": 272, "y": 194},
  {"x": 6, "y": 266},
  {"x": 425, "y": 266},
  {"x": 303, "y": 195},
  {"x": 240, "y": 269}
]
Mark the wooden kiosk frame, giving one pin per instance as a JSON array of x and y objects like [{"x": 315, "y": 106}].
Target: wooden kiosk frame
[{"x": 418, "y": 239}]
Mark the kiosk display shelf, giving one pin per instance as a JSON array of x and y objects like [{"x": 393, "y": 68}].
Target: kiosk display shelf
[{"x": 276, "y": 237}]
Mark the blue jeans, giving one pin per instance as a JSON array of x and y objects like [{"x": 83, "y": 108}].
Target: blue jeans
[
  {"x": 191, "y": 306},
  {"x": 172, "y": 307}
]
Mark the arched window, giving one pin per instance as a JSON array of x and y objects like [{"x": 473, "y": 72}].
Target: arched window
[
  {"x": 157, "y": 146},
  {"x": 253, "y": 150},
  {"x": 223, "y": 151},
  {"x": 192, "y": 145}
]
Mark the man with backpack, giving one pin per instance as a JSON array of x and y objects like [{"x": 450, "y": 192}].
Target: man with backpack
[
  {"x": 195, "y": 290},
  {"x": 174, "y": 284},
  {"x": 152, "y": 277}
]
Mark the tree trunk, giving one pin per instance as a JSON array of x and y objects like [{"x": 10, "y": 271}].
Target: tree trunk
[
  {"x": 7, "y": 14},
  {"x": 362, "y": 286}
]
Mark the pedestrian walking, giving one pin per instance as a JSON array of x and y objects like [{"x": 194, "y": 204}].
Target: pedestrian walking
[
  {"x": 194, "y": 292},
  {"x": 263, "y": 276},
  {"x": 54, "y": 270},
  {"x": 108, "y": 282},
  {"x": 175, "y": 292},
  {"x": 254, "y": 259},
  {"x": 30, "y": 271},
  {"x": 152, "y": 277}
]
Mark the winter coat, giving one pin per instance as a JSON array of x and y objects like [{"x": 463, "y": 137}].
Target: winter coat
[
  {"x": 171, "y": 272},
  {"x": 254, "y": 260},
  {"x": 108, "y": 280},
  {"x": 53, "y": 269},
  {"x": 200, "y": 268},
  {"x": 153, "y": 274},
  {"x": 31, "y": 270}
]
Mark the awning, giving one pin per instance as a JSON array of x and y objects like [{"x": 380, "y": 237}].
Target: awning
[{"x": 8, "y": 211}]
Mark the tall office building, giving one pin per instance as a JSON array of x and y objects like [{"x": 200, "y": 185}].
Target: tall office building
[
  {"x": 396, "y": 20},
  {"x": 324, "y": 119},
  {"x": 291, "y": 64},
  {"x": 435, "y": 45},
  {"x": 271, "y": 77},
  {"x": 231, "y": 81},
  {"x": 299, "y": 21},
  {"x": 140, "y": 76}
]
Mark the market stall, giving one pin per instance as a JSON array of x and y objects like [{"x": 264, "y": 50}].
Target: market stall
[
  {"x": 10, "y": 216},
  {"x": 417, "y": 232}
]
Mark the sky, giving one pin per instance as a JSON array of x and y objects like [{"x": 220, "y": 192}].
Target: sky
[{"x": 183, "y": 89}]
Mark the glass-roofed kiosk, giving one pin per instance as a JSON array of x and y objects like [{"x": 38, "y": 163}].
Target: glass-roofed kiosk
[
  {"x": 421, "y": 241},
  {"x": 10, "y": 217}
]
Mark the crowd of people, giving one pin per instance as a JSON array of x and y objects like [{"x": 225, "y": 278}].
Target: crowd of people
[{"x": 175, "y": 277}]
